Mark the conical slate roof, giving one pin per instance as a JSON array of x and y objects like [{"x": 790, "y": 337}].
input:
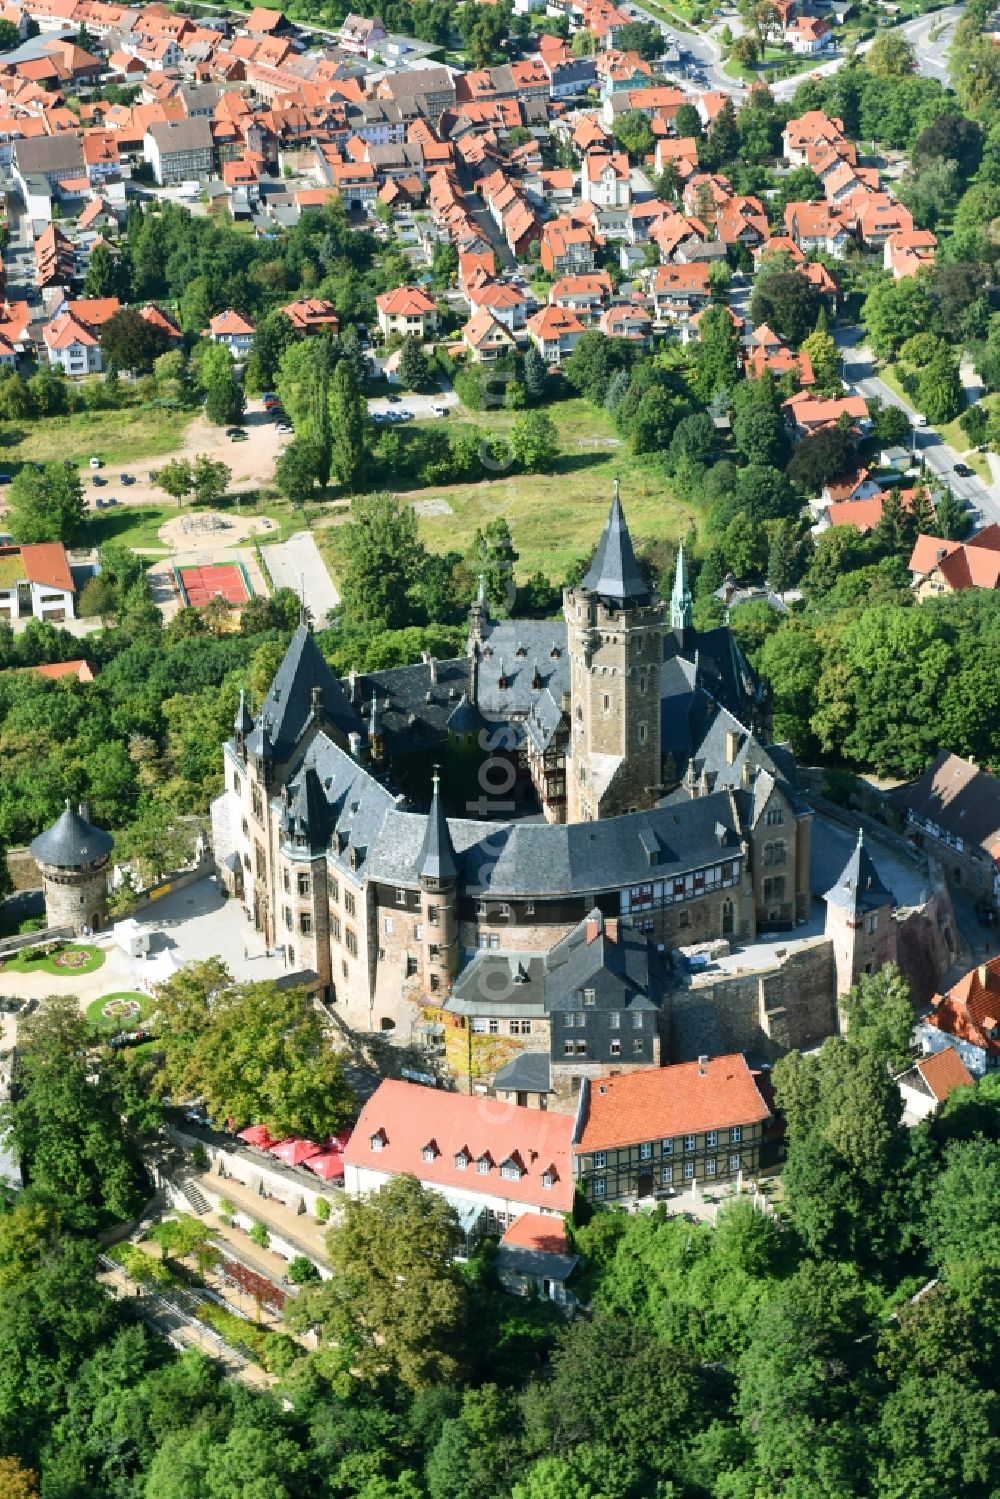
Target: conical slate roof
[
  {"x": 71, "y": 841},
  {"x": 437, "y": 855},
  {"x": 859, "y": 888},
  {"x": 242, "y": 723},
  {"x": 614, "y": 573}
]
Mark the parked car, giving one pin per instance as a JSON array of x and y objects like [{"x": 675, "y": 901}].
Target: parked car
[
  {"x": 6, "y": 478},
  {"x": 98, "y": 482},
  {"x": 126, "y": 479},
  {"x": 963, "y": 471},
  {"x": 438, "y": 410},
  {"x": 919, "y": 420},
  {"x": 404, "y": 415},
  {"x": 96, "y": 463},
  {"x": 393, "y": 398},
  {"x": 238, "y": 436},
  {"x": 285, "y": 429}
]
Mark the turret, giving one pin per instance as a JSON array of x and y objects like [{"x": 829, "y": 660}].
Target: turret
[
  {"x": 479, "y": 614},
  {"x": 858, "y": 916},
  {"x": 73, "y": 858},
  {"x": 242, "y": 726},
  {"x": 681, "y": 603},
  {"x": 437, "y": 869}
]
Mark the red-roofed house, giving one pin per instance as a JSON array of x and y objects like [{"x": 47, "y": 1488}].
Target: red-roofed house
[
  {"x": 662, "y": 1128},
  {"x": 679, "y": 291},
  {"x": 807, "y": 34},
  {"x": 36, "y": 581},
  {"x": 407, "y": 311},
  {"x": 492, "y": 1161},
  {"x": 809, "y": 413},
  {"x": 605, "y": 179},
  {"x": 486, "y": 337},
  {"x": 233, "y": 330},
  {"x": 967, "y": 1018},
  {"x": 534, "y": 1257},
  {"x": 72, "y": 346},
  {"x": 939, "y": 566},
  {"x": 312, "y": 315},
  {"x": 907, "y": 251},
  {"x": 925, "y": 1086},
  {"x": 555, "y": 332},
  {"x": 56, "y": 671},
  {"x": 567, "y": 248},
  {"x": 159, "y": 319}
]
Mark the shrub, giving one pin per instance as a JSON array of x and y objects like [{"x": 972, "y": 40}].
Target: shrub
[
  {"x": 302, "y": 1270},
  {"x": 322, "y": 1210},
  {"x": 227, "y": 1209},
  {"x": 199, "y": 1157},
  {"x": 260, "y": 1236}
]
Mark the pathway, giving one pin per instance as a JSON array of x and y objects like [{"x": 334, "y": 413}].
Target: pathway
[{"x": 297, "y": 564}]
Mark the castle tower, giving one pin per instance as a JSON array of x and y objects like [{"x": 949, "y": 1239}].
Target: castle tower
[
  {"x": 681, "y": 602},
  {"x": 858, "y": 913},
  {"x": 73, "y": 858},
  {"x": 437, "y": 871},
  {"x": 615, "y": 626},
  {"x": 304, "y": 927}
]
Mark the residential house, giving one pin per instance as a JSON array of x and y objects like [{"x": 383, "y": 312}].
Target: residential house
[
  {"x": 878, "y": 217},
  {"x": 567, "y": 248},
  {"x": 505, "y": 302},
  {"x": 966, "y": 1019},
  {"x": 492, "y": 1162},
  {"x": 422, "y": 91},
  {"x": 555, "y": 332},
  {"x": 162, "y": 320},
  {"x": 940, "y": 566},
  {"x": 679, "y": 291},
  {"x": 605, "y": 180},
  {"x": 180, "y": 150},
  {"x": 586, "y": 295},
  {"x": 312, "y": 315},
  {"x": 406, "y": 312},
  {"x": 809, "y": 413},
  {"x": 857, "y": 486},
  {"x": 57, "y": 671},
  {"x": 362, "y": 36},
  {"x": 627, "y": 320},
  {"x": 233, "y": 331},
  {"x": 925, "y": 1086},
  {"x": 953, "y": 813},
  {"x": 807, "y": 35},
  {"x": 660, "y": 1130},
  {"x": 36, "y": 582},
  {"x": 72, "y": 346},
  {"x": 808, "y": 131},
  {"x": 908, "y": 251},
  {"x": 486, "y": 337},
  {"x": 817, "y": 226}
]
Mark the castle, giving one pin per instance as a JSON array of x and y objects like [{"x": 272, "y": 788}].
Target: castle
[{"x": 627, "y": 793}]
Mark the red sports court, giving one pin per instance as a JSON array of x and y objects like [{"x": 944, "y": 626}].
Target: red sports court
[{"x": 197, "y": 585}]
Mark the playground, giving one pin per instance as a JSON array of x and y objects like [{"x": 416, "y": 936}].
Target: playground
[{"x": 207, "y": 530}]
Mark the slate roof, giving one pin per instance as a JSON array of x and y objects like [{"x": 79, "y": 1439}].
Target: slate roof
[
  {"x": 356, "y": 803},
  {"x": 621, "y": 965},
  {"x": 437, "y": 857},
  {"x": 513, "y": 649},
  {"x": 409, "y": 721},
  {"x": 511, "y": 859},
  {"x": 288, "y": 705},
  {"x": 614, "y": 573},
  {"x": 957, "y": 795},
  {"x": 71, "y": 841},
  {"x": 306, "y": 820},
  {"x": 859, "y": 888},
  {"x": 527, "y": 1073},
  {"x": 513, "y": 982}
]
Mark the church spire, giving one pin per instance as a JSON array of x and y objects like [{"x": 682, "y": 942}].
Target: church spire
[
  {"x": 681, "y": 603},
  {"x": 614, "y": 573}
]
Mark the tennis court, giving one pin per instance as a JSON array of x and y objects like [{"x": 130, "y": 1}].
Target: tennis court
[{"x": 197, "y": 585}]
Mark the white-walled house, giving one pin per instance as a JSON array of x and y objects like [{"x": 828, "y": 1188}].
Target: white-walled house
[
  {"x": 234, "y": 331},
  {"x": 36, "y": 583},
  {"x": 72, "y": 346}
]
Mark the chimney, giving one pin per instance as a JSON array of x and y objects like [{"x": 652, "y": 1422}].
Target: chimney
[
  {"x": 732, "y": 746},
  {"x": 982, "y": 972},
  {"x": 747, "y": 775},
  {"x": 316, "y": 700},
  {"x": 352, "y": 685},
  {"x": 432, "y": 663},
  {"x": 703, "y": 1065},
  {"x": 593, "y": 929},
  {"x": 354, "y": 745},
  {"x": 611, "y": 928}
]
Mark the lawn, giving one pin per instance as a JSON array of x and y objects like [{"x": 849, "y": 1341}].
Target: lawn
[
  {"x": 554, "y": 518},
  {"x": 135, "y": 526},
  {"x": 114, "y": 436},
  {"x": 66, "y": 960},
  {"x": 115, "y": 1012}
]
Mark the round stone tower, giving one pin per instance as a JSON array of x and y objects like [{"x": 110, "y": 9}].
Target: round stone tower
[{"x": 73, "y": 857}]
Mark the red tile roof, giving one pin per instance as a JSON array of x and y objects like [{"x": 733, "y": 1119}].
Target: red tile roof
[
  {"x": 661, "y": 1102},
  {"x": 970, "y": 1010},
  {"x": 943, "y": 1072},
  {"x": 410, "y": 1119},
  {"x": 45, "y": 563},
  {"x": 539, "y": 1232}
]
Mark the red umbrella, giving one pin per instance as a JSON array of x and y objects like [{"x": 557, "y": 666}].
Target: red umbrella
[
  {"x": 294, "y": 1152},
  {"x": 339, "y": 1143},
  {"x": 329, "y": 1165},
  {"x": 256, "y": 1134}
]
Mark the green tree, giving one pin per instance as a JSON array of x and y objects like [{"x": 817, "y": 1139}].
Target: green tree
[
  {"x": 787, "y": 302},
  {"x": 175, "y": 479},
  {"x": 414, "y": 367},
  {"x": 717, "y": 361},
  {"x": 384, "y": 561},
  {"x": 890, "y": 56},
  {"x": 534, "y": 442},
  {"x": 156, "y": 842},
  {"x": 295, "y": 472},
  {"x": 396, "y": 1302},
  {"x": 47, "y": 504},
  {"x": 879, "y": 1015},
  {"x": 106, "y": 274},
  {"x": 350, "y": 428},
  {"x": 632, "y": 131},
  {"x": 209, "y": 479},
  {"x": 130, "y": 342},
  {"x": 272, "y": 336},
  {"x": 535, "y": 377},
  {"x": 495, "y": 558},
  {"x": 824, "y": 356},
  {"x": 939, "y": 388}
]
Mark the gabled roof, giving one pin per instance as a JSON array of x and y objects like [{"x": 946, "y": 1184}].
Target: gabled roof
[
  {"x": 970, "y": 1010},
  {"x": 664, "y": 1102},
  {"x": 943, "y": 1072},
  {"x": 45, "y": 563},
  {"x": 288, "y": 705}
]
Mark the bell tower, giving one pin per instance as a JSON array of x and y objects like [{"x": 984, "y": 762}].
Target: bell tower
[{"x": 615, "y": 624}]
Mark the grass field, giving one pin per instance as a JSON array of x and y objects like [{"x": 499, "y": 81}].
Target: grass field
[
  {"x": 554, "y": 518},
  {"x": 115, "y": 436}
]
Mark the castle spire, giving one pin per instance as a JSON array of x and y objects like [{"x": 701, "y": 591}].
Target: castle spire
[
  {"x": 681, "y": 603},
  {"x": 437, "y": 856},
  {"x": 614, "y": 573}
]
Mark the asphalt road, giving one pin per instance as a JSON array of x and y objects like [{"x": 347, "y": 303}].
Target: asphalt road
[{"x": 859, "y": 373}]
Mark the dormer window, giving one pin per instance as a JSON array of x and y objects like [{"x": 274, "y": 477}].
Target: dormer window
[
  {"x": 520, "y": 652},
  {"x": 549, "y": 1178},
  {"x": 430, "y": 1152},
  {"x": 483, "y": 1165},
  {"x": 502, "y": 682},
  {"x": 510, "y": 1170},
  {"x": 461, "y": 1160},
  {"x": 555, "y": 653},
  {"x": 377, "y": 1140}
]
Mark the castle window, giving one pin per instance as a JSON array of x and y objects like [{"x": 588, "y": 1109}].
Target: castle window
[
  {"x": 334, "y": 891},
  {"x": 351, "y": 942},
  {"x": 615, "y": 1020},
  {"x": 607, "y": 702},
  {"x": 775, "y": 889},
  {"x": 581, "y": 1048},
  {"x": 400, "y": 896},
  {"x": 734, "y": 1162},
  {"x": 345, "y": 970},
  {"x": 642, "y": 733},
  {"x": 305, "y": 923},
  {"x": 245, "y": 826},
  {"x": 287, "y": 914},
  {"x": 616, "y": 1048},
  {"x": 642, "y": 682},
  {"x": 547, "y": 1180},
  {"x": 689, "y": 1142},
  {"x": 529, "y": 908},
  {"x": 236, "y": 785},
  {"x": 435, "y": 952},
  {"x": 666, "y": 1147},
  {"x": 257, "y": 804},
  {"x": 350, "y": 905},
  {"x": 483, "y": 1165},
  {"x": 418, "y": 931},
  {"x": 684, "y": 919},
  {"x": 435, "y": 983},
  {"x": 590, "y": 996},
  {"x": 303, "y": 884},
  {"x": 872, "y": 922},
  {"x": 637, "y": 1020},
  {"x": 775, "y": 816},
  {"x": 689, "y": 1170},
  {"x": 388, "y": 926},
  {"x": 335, "y": 928},
  {"x": 493, "y": 1025},
  {"x": 600, "y": 1187},
  {"x": 637, "y": 1047},
  {"x": 600, "y": 1160},
  {"x": 461, "y": 1161},
  {"x": 511, "y": 1171},
  {"x": 710, "y": 1166},
  {"x": 286, "y": 881},
  {"x": 432, "y": 915},
  {"x": 429, "y": 1153},
  {"x": 377, "y": 1141},
  {"x": 567, "y": 1048},
  {"x": 291, "y": 955}
]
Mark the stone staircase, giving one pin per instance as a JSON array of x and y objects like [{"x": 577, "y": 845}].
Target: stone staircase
[{"x": 195, "y": 1196}]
